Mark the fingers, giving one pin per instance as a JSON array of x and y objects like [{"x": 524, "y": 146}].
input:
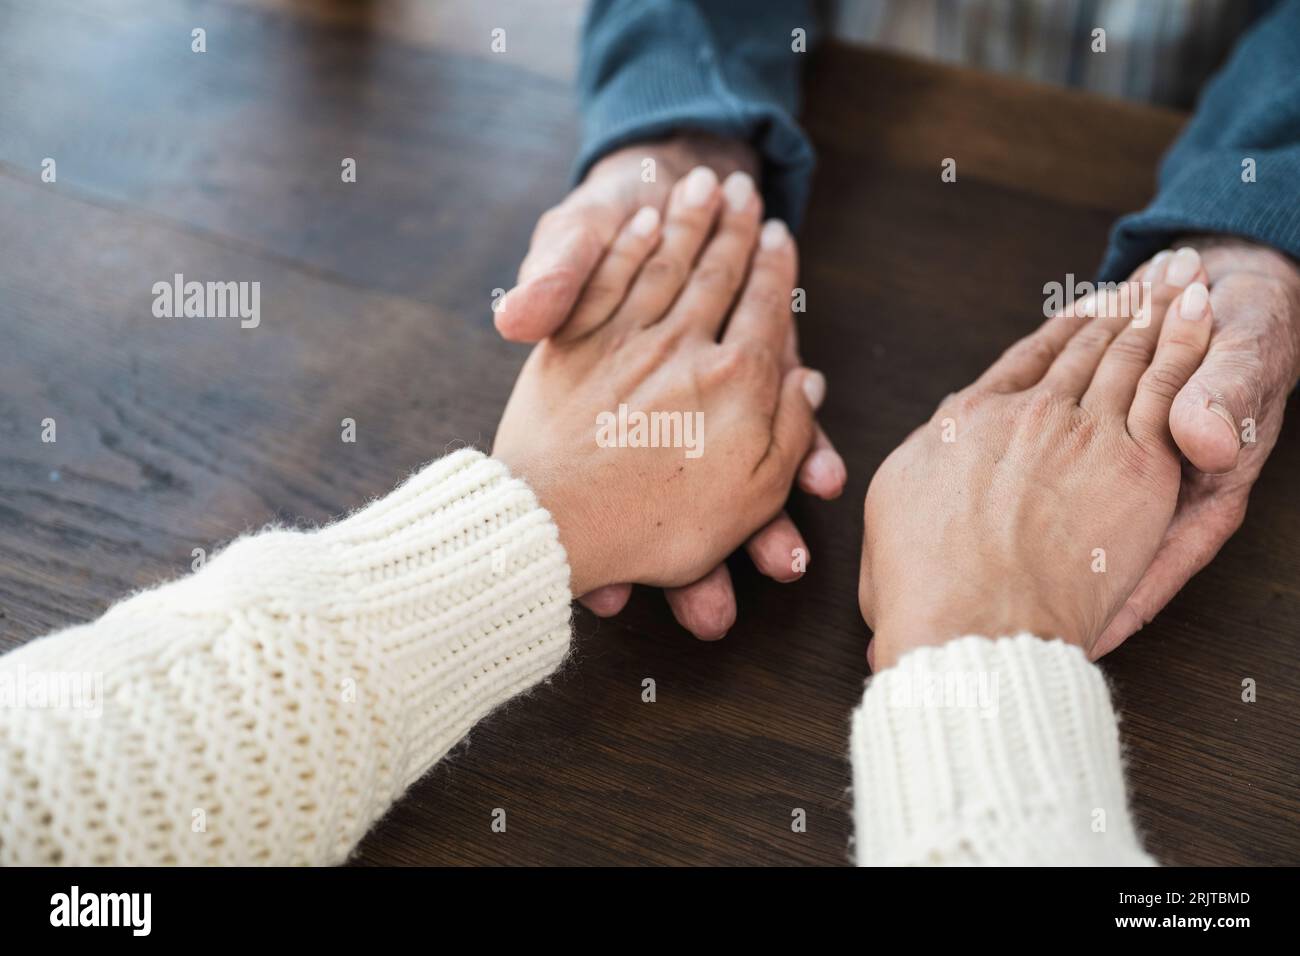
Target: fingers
[
  {"x": 1228, "y": 390},
  {"x": 692, "y": 208},
  {"x": 706, "y": 608},
  {"x": 1027, "y": 362},
  {"x": 609, "y": 283},
  {"x": 607, "y": 601},
  {"x": 1126, "y": 360},
  {"x": 1074, "y": 367},
  {"x": 778, "y": 550},
  {"x": 792, "y": 424},
  {"x": 711, "y": 289},
  {"x": 762, "y": 316},
  {"x": 1183, "y": 340},
  {"x": 1024, "y": 364},
  {"x": 566, "y": 246},
  {"x": 823, "y": 473},
  {"x": 1191, "y": 542}
]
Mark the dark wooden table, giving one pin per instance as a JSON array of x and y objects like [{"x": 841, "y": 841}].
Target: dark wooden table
[{"x": 180, "y": 434}]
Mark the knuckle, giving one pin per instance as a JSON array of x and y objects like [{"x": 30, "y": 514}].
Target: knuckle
[
  {"x": 555, "y": 219},
  {"x": 745, "y": 359},
  {"x": 1163, "y": 380},
  {"x": 958, "y": 404},
  {"x": 602, "y": 290},
  {"x": 1035, "y": 350},
  {"x": 1083, "y": 428},
  {"x": 1130, "y": 349},
  {"x": 717, "y": 275},
  {"x": 588, "y": 243},
  {"x": 767, "y": 298},
  {"x": 1038, "y": 408},
  {"x": 649, "y": 349},
  {"x": 1092, "y": 338},
  {"x": 663, "y": 270},
  {"x": 1143, "y": 459},
  {"x": 1280, "y": 300}
]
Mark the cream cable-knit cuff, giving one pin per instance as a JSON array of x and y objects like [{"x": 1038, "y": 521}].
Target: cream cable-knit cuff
[
  {"x": 270, "y": 707},
  {"x": 990, "y": 752}
]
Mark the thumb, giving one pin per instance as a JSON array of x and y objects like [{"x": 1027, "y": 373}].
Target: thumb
[
  {"x": 1208, "y": 413},
  {"x": 606, "y": 601},
  {"x": 566, "y": 247}
]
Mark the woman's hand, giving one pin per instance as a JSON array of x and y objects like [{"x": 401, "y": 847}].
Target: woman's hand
[
  {"x": 723, "y": 428},
  {"x": 563, "y": 279},
  {"x": 1035, "y": 499}
]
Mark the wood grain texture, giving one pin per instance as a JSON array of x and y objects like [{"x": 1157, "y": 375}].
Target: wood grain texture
[{"x": 176, "y": 434}]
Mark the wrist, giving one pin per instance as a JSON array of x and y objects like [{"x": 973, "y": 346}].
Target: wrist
[
  {"x": 902, "y": 631},
  {"x": 588, "y": 568},
  {"x": 584, "y": 535},
  {"x": 678, "y": 153},
  {"x": 723, "y": 154}
]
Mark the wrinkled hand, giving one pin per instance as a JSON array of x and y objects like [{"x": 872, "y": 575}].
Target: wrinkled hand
[
  {"x": 733, "y": 425},
  {"x": 1035, "y": 500},
  {"x": 1240, "y": 390},
  {"x": 560, "y": 288},
  {"x": 572, "y": 238}
]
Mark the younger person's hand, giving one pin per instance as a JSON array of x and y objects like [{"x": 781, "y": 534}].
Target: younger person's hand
[
  {"x": 565, "y": 284},
  {"x": 1035, "y": 499},
  {"x": 734, "y": 426}
]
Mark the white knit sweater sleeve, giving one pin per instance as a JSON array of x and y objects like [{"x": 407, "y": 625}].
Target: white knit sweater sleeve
[
  {"x": 270, "y": 707},
  {"x": 990, "y": 752}
]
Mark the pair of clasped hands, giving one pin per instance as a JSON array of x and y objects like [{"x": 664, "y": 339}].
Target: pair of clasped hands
[{"x": 676, "y": 297}]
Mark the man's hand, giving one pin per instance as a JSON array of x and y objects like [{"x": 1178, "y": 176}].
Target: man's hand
[
  {"x": 571, "y": 239},
  {"x": 555, "y": 284},
  {"x": 1227, "y": 417}
]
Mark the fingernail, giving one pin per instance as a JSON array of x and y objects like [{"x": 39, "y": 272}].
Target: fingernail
[
  {"x": 700, "y": 183},
  {"x": 1127, "y": 622},
  {"x": 773, "y": 235},
  {"x": 1192, "y": 307},
  {"x": 814, "y": 388},
  {"x": 1153, "y": 268},
  {"x": 645, "y": 221},
  {"x": 826, "y": 470},
  {"x": 1226, "y": 416},
  {"x": 736, "y": 189},
  {"x": 1184, "y": 265}
]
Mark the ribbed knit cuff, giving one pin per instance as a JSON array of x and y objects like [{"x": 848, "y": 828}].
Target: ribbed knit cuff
[
  {"x": 672, "y": 90},
  {"x": 1249, "y": 111},
  {"x": 1208, "y": 196},
  {"x": 459, "y": 578},
  {"x": 990, "y": 752},
  {"x": 654, "y": 67},
  {"x": 291, "y": 688}
]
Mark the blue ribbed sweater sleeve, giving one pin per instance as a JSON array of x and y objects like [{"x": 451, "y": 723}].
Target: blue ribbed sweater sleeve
[
  {"x": 1251, "y": 110},
  {"x": 649, "y": 67}
]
